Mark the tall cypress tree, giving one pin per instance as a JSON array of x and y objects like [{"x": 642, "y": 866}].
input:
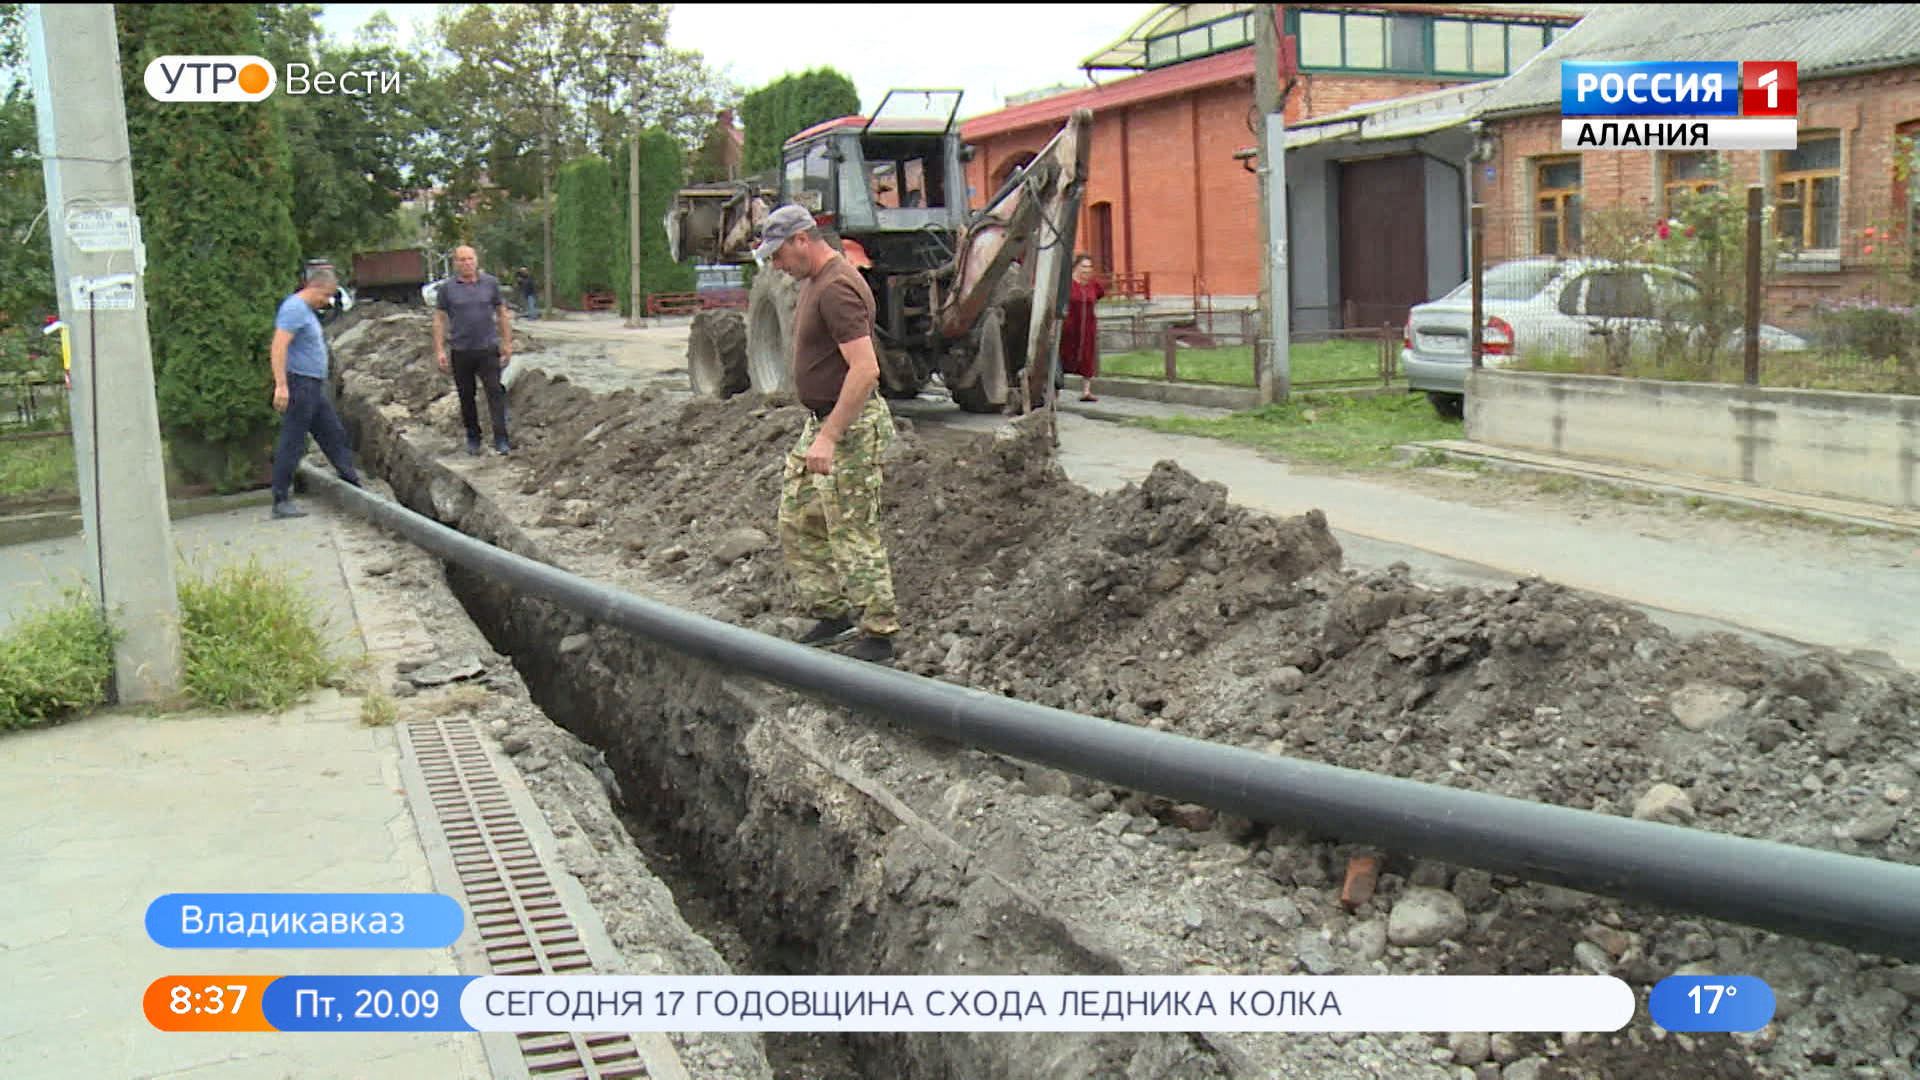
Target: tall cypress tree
[
  {"x": 215, "y": 195},
  {"x": 787, "y": 106},
  {"x": 588, "y": 248}
]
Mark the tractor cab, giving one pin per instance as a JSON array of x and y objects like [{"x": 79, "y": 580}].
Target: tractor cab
[{"x": 897, "y": 174}]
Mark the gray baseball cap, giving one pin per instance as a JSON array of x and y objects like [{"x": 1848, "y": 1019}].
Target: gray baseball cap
[{"x": 781, "y": 226}]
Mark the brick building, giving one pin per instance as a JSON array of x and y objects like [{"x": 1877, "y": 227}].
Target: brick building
[
  {"x": 1859, "y": 69},
  {"x": 1165, "y": 195}
]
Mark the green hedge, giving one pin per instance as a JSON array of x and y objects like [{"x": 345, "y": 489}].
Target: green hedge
[{"x": 215, "y": 191}]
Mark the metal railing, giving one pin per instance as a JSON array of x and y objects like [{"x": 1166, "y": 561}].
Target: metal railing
[
  {"x": 1184, "y": 341},
  {"x": 1865, "y": 904}
]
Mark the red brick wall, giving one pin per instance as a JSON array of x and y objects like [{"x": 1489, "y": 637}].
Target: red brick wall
[
  {"x": 1866, "y": 110},
  {"x": 1187, "y": 207}
]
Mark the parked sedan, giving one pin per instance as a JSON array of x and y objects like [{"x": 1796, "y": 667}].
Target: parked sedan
[{"x": 1546, "y": 307}]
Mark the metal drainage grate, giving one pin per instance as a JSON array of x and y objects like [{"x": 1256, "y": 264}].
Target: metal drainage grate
[{"x": 523, "y": 927}]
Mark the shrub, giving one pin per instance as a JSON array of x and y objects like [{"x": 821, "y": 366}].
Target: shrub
[
  {"x": 1878, "y": 331},
  {"x": 250, "y": 639},
  {"x": 54, "y": 661}
]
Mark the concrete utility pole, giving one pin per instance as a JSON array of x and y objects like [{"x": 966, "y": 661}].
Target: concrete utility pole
[
  {"x": 546, "y": 206},
  {"x": 1276, "y": 376},
  {"x": 97, "y": 267},
  {"x": 634, "y": 318}
]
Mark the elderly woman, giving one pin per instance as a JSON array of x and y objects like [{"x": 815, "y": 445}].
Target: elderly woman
[{"x": 1080, "y": 334}]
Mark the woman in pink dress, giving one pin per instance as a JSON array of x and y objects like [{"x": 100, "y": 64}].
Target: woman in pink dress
[{"x": 1080, "y": 334}]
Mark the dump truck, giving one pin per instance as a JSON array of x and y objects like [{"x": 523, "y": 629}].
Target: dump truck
[
  {"x": 973, "y": 297},
  {"x": 394, "y": 276}
]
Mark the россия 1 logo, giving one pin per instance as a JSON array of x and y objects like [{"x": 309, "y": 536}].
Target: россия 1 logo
[
  {"x": 1700, "y": 105},
  {"x": 210, "y": 78}
]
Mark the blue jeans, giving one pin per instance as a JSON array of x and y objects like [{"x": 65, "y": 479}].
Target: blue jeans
[
  {"x": 533, "y": 306},
  {"x": 309, "y": 411}
]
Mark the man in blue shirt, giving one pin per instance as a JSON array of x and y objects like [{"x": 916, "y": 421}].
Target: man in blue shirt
[
  {"x": 300, "y": 392},
  {"x": 471, "y": 307}
]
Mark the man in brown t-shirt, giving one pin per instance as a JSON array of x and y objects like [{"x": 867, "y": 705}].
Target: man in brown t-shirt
[{"x": 830, "y": 492}]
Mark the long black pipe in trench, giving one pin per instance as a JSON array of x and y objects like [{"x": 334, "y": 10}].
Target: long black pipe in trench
[{"x": 1865, "y": 904}]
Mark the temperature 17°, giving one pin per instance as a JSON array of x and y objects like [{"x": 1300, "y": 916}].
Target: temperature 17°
[{"x": 1716, "y": 989}]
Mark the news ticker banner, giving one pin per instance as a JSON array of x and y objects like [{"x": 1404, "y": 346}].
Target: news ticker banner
[
  {"x": 1032, "y": 1003},
  {"x": 1679, "y": 105}
]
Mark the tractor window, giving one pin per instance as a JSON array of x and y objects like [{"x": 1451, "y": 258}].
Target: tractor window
[
  {"x": 908, "y": 177},
  {"x": 810, "y": 178},
  {"x": 905, "y": 184}
]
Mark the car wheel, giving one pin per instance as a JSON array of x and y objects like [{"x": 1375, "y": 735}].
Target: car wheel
[{"x": 1449, "y": 406}]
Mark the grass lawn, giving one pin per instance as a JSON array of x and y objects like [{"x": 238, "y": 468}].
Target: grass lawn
[
  {"x": 1796, "y": 370},
  {"x": 1310, "y": 362},
  {"x": 1332, "y": 429},
  {"x": 31, "y": 467}
]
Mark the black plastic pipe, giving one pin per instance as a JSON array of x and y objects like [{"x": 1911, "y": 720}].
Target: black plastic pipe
[{"x": 1865, "y": 904}]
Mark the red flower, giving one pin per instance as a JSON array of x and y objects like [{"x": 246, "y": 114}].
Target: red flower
[
  {"x": 1869, "y": 249},
  {"x": 1689, "y": 231},
  {"x": 1663, "y": 230},
  {"x": 1869, "y": 233}
]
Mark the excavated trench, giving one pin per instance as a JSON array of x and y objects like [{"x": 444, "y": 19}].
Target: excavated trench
[
  {"x": 844, "y": 845},
  {"x": 818, "y": 875}
]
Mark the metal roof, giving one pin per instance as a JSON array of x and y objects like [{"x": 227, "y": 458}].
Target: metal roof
[
  {"x": 1130, "y": 52},
  {"x": 1395, "y": 118},
  {"x": 1824, "y": 39}
]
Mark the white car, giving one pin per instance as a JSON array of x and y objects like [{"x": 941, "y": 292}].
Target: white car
[{"x": 1547, "y": 307}]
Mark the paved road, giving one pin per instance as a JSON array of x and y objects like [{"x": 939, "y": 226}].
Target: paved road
[{"x": 1688, "y": 584}]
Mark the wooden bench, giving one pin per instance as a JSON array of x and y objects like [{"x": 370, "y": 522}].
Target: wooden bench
[{"x": 598, "y": 301}]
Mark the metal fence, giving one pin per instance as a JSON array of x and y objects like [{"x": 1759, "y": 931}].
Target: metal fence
[
  {"x": 28, "y": 401},
  {"x": 1222, "y": 347},
  {"x": 1665, "y": 288}
]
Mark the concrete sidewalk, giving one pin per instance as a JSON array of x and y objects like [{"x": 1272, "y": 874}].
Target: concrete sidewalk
[{"x": 100, "y": 816}]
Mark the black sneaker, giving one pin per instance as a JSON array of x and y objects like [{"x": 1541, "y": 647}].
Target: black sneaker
[
  {"x": 871, "y": 648},
  {"x": 473, "y": 445},
  {"x": 285, "y": 509},
  {"x": 827, "y": 632}
]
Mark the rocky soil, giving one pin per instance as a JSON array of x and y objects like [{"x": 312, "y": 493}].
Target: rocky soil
[{"x": 1165, "y": 605}]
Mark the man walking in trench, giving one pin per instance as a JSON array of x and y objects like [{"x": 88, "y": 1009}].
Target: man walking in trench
[
  {"x": 298, "y": 353},
  {"x": 830, "y": 491},
  {"x": 481, "y": 323}
]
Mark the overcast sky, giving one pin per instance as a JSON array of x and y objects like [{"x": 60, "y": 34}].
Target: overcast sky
[{"x": 988, "y": 50}]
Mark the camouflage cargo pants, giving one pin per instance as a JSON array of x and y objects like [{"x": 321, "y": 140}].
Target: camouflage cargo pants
[{"x": 830, "y": 525}]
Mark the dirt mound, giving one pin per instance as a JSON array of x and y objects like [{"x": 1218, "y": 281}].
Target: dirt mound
[
  {"x": 1166, "y": 605},
  {"x": 1163, "y": 604}
]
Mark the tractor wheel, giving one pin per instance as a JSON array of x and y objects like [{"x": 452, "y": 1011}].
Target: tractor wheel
[
  {"x": 770, "y": 333},
  {"x": 1001, "y": 353},
  {"x": 717, "y": 353},
  {"x": 987, "y": 393}
]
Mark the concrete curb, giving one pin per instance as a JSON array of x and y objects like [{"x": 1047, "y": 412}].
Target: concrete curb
[
  {"x": 54, "y": 524},
  {"x": 1834, "y": 510},
  {"x": 1208, "y": 395}
]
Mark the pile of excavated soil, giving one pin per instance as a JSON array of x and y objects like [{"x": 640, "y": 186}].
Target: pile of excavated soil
[{"x": 1165, "y": 605}]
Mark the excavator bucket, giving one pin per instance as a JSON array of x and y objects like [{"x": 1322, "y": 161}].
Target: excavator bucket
[{"x": 714, "y": 224}]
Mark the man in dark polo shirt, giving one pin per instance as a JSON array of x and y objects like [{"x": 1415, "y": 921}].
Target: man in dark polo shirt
[
  {"x": 482, "y": 329},
  {"x": 830, "y": 492}
]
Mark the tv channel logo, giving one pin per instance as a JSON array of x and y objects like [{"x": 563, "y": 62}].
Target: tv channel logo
[
  {"x": 210, "y": 78},
  {"x": 1769, "y": 88}
]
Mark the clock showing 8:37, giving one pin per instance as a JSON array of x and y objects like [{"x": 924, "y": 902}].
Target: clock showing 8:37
[{"x": 207, "y": 1003}]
